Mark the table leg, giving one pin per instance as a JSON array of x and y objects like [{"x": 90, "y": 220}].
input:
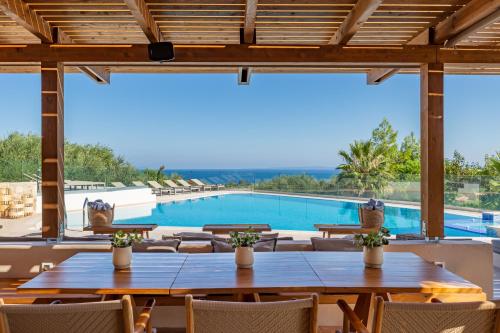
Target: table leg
[{"x": 364, "y": 308}]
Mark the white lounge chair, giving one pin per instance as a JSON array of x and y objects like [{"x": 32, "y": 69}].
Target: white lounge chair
[
  {"x": 191, "y": 187},
  {"x": 138, "y": 183},
  {"x": 118, "y": 184},
  {"x": 157, "y": 188},
  {"x": 203, "y": 186},
  {"x": 217, "y": 186},
  {"x": 176, "y": 188}
]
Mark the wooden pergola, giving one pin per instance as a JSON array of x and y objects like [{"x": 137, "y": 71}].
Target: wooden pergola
[{"x": 376, "y": 37}]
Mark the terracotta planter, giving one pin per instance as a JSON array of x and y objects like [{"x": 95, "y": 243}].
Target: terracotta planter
[
  {"x": 122, "y": 257},
  {"x": 243, "y": 257},
  {"x": 373, "y": 256}
]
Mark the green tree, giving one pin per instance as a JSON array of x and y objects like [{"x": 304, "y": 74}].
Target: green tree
[
  {"x": 385, "y": 137},
  {"x": 365, "y": 167},
  {"x": 407, "y": 163}
]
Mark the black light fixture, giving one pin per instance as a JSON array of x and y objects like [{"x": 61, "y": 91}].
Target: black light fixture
[
  {"x": 244, "y": 76},
  {"x": 162, "y": 51}
]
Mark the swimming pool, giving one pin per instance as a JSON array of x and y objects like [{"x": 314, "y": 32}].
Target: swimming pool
[{"x": 281, "y": 212}]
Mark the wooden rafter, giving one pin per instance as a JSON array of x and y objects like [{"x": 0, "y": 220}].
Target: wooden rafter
[
  {"x": 466, "y": 21},
  {"x": 250, "y": 16},
  {"x": 251, "y": 55},
  {"x": 474, "y": 16},
  {"x": 100, "y": 74},
  {"x": 379, "y": 75},
  {"x": 20, "y": 12},
  {"x": 354, "y": 20},
  {"x": 145, "y": 20}
]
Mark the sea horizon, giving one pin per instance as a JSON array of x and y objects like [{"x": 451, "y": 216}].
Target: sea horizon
[{"x": 251, "y": 175}]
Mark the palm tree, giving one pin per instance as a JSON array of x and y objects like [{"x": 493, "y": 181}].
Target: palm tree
[{"x": 365, "y": 167}]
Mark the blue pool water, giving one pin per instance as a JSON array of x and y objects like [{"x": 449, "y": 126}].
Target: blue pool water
[{"x": 289, "y": 213}]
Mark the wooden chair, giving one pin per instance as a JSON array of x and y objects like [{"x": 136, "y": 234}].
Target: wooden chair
[
  {"x": 94, "y": 317},
  {"x": 435, "y": 317},
  {"x": 296, "y": 316}
]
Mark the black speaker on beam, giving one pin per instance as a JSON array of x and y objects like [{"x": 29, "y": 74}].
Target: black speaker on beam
[{"x": 163, "y": 51}]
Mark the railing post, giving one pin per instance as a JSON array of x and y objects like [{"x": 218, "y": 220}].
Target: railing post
[{"x": 432, "y": 149}]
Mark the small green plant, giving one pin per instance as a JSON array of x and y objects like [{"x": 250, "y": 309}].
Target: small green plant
[
  {"x": 243, "y": 239},
  {"x": 123, "y": 239},
  {"x": 373, "y": 239}
]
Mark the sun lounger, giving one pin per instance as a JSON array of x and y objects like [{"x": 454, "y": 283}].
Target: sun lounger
[
  {"x": 157, "y": 188},
  {"x": 176, "y": 188},
  {"x": 118, "y": 184},
  {"x": 143, "y": 229},
  {"x": 138, "y": 183},
  {"x": 203, "y": 185},
  {"x": 217, "y": 186},
  {"x": 191, "y": 187},
  {"x": 83, "y": 184}
]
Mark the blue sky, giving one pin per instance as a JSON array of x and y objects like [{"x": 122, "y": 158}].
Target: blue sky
[{"x": 208, "y": 121}]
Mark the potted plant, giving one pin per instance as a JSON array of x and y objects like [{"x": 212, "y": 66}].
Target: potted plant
[
  {"x": 373, "y": 246},
  {"x": 122, "y": 248},
  {"x": 242, "y": 243}
]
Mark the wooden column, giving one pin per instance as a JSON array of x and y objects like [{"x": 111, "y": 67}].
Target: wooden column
[
  {"x": 432, "y": 150},
  {"x": 52, "y": 148}
]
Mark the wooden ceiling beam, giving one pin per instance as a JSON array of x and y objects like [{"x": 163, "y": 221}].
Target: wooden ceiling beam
[
  {"x": 20, "y": 12},
  {"x": 379, "y": 75},
  {"x": 354, "y": 20},
  {"x": 100, "y": 74},
  {"x": 475, "y": 15},
  {"x": 145, "y": 20},
  {"x": 243, "y": 55},
  {"x": 249, "y": 26}
]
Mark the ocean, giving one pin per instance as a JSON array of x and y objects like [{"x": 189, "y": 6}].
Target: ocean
[{"x": 225, "y": 176}]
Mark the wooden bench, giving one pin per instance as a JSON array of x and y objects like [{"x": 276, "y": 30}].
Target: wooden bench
[
  {"x": 111, "y": 229},
  {"x": 343, "y": 229},
  {"x": 218, "y": 229}
]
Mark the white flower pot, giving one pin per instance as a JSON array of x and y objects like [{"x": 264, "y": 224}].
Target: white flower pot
[
  {"x": 373, "y": 256},
  {"x": 122, "y": 257},
  {"x": 243, "y": 257}
]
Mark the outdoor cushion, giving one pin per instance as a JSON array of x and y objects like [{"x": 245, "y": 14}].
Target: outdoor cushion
[
  {"x": 495, "y": 243},
  {"x": 293, "y": 245},
  {"x": 195, "y": 247},
  {"x": 266, "y": 245},
  {"x": 333, "y": 244},
  {"x": 150, "y": 245},
  {"x": 194, "y": 236}
]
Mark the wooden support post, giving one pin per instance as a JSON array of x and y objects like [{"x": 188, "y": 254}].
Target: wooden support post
[
  {"x": 52, "y": 148},
  {"x": 432, "y": 150}
]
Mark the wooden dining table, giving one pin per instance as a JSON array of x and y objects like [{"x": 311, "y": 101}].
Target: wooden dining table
[{"x": 273, "y": 272}]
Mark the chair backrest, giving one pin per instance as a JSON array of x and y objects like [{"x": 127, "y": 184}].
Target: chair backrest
[
  {"x": 154, "y": 184},
  {"x": 138, "y": 183},
  {"x": 92, "y": 317},
  {"x": 466, "y": 317},
  {"x": 118, "y": 184},
  {"x": 197, "y": 182},
  {"x": 296, "y": 316},
  {"x": 183, "y": 182},
  {"x": 170, "y": 183}
]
